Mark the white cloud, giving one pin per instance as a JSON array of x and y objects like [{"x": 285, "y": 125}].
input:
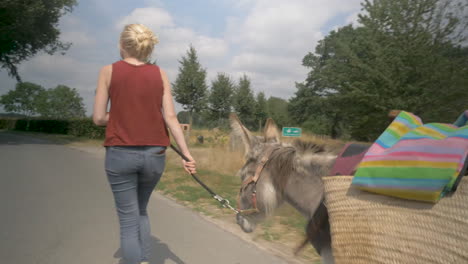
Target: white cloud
[
  {"x": 65, "y": 70},
  {"x": 74, "y": 30},
  {"x": 275, "y": 36},
  {"x": 266, "y": 64},
  {"x": 174, "y": 39},
  {"x": 78, "y": 38},
  {"x": 353, "y": 18},
  {"x": 267, "y": 41},
  {"x": 279, "y": 25},
  {"x": 152, "y": 17}
]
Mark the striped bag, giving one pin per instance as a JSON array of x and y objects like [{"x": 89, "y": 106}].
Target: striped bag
[{"x": 415, "y": 161}]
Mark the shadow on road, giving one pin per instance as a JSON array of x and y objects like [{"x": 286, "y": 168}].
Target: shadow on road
[{"x": 160, "y": 252}]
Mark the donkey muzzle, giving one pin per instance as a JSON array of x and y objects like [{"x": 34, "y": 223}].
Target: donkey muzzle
[{"x": 246, "y": 226}]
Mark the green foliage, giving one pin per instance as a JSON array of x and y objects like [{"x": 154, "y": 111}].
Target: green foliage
[
  {"x": 85, "y": 127},
  {"x": 220, "y": 100},
  {"x": 405, "y": 55},
  {"x": 277, "y": 109},
  {"x": 261, "y": 113},
  {"x": 318, "y": 125},
  {"x": 197, "y": 118},
  {"x": 306, "y": 103},
  {"x": 23, "y": 100},
  {"x": 244, "y": 103},
  {"x": 7, "y": 124},
  {"x": 28, "y": 27},
  {"x": 45, "y": 126},
  {"x": 74, "y": 127},
  {"x": 61, "y": 102},
  {"x": 31, "y": 99},
  {"x": 190, "y": 87}
]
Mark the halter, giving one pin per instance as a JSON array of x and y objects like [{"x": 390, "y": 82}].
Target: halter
[{"x": 254, "y": 179}]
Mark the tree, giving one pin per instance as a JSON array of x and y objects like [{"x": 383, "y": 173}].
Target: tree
[
  {"x": 405, "y": 55},
  {"x": 22, "y": 100},
  {"x": 190, "y": 86},
  {"x": 220, "y": 99},
  {"x": 277, "y": 109},
  {"x": 184, "y": 118},
  {"x": 313, "y": 112},
  {"x": 61, "y": 102},
  {"x": 244, "y": 102},
  {"x": 28, "y": 27},
  {"x": 260, "y": 110}
]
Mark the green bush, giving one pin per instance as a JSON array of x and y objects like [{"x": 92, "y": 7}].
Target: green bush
[
  {"x": 86, "y": 128},
  {"x": 21, "y": 124},
  {"x": 74, "y": 127},
  {"x": 48, "y": 126},
  {"x": 7, "y": 123}
]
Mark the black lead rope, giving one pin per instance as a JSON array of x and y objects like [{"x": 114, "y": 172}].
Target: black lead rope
[{"x": 224, "y": 202}]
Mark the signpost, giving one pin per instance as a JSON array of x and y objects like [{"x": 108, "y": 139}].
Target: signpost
[{"x": 292, "y": 132}]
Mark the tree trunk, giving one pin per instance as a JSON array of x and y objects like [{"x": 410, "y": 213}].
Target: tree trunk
[
  {"x": 334, "y": 127},
  {"x": 190, "y": 118},
  {"x": 28, "y": 117},
  {"x": 187, "y": 132}
]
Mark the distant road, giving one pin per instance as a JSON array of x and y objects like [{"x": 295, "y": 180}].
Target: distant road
[{"x": 56, "y": 208}]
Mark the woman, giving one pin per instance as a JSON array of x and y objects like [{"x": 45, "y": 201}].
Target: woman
[{"x": 141, "y": 110}]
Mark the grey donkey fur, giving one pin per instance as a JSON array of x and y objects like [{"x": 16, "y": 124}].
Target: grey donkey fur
[{"x": 292, "y": 174}]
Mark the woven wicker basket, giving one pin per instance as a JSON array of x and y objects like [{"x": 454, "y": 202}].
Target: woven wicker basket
[{"x": 370, "y": 228}]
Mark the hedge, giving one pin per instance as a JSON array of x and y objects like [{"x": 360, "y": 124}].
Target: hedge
[
  {"x": 75, "y": 127},
  {"x": 7, "y": 123}
]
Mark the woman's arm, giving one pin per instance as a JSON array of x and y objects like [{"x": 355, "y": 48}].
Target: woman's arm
[
  {"x": 100, "y": 114},
  {"x": 171, "y": 121}
]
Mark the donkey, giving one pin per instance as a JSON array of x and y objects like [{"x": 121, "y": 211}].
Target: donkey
[{"x": 275, "y": 172}]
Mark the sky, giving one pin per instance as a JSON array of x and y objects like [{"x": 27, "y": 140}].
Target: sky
[{"x": 264, "y": 39}]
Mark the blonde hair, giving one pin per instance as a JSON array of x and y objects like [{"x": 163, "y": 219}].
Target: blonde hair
[{"x": 138, "y": 41}]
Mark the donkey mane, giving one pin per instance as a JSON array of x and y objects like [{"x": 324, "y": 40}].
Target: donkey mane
[
  {"x": 308, "y": 147},
  {"x": 287, "y": 160}
]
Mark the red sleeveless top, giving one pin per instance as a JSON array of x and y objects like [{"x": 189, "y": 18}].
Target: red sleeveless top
[{"x": 135, "y": 117}]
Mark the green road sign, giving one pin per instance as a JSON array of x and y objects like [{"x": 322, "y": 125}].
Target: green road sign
[{"x": 292, "y": 132}]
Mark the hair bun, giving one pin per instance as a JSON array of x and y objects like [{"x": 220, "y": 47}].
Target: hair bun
[
  {"x": 147, "y": 36},
  {"x": 138, "y": 41}
]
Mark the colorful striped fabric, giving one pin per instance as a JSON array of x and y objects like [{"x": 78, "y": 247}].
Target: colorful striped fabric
[{"x": 413, "y": 160}]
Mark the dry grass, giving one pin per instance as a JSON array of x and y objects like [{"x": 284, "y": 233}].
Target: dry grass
[{"x": 219, "y": 159}]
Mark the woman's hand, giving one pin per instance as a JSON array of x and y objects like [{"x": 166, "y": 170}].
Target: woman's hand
[{"x": 189, "y": 166}]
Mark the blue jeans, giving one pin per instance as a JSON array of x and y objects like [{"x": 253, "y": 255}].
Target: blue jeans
[{"x": 133, "y": 173}]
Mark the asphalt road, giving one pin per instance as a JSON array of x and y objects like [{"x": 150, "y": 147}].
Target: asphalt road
[{"x": 56, "y": 208}]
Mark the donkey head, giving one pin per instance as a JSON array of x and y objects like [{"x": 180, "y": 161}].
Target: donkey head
[{"x": 258, "y": 196}]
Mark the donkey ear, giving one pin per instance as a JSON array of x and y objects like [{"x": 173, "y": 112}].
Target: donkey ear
[
  {"x": 271, "y": 132},
  {"x": 241, "y": 131}
]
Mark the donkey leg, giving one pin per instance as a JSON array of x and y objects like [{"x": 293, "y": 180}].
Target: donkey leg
[
  {"x": 318, "y": 232},
  {"x": 325, "y": 240}
]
